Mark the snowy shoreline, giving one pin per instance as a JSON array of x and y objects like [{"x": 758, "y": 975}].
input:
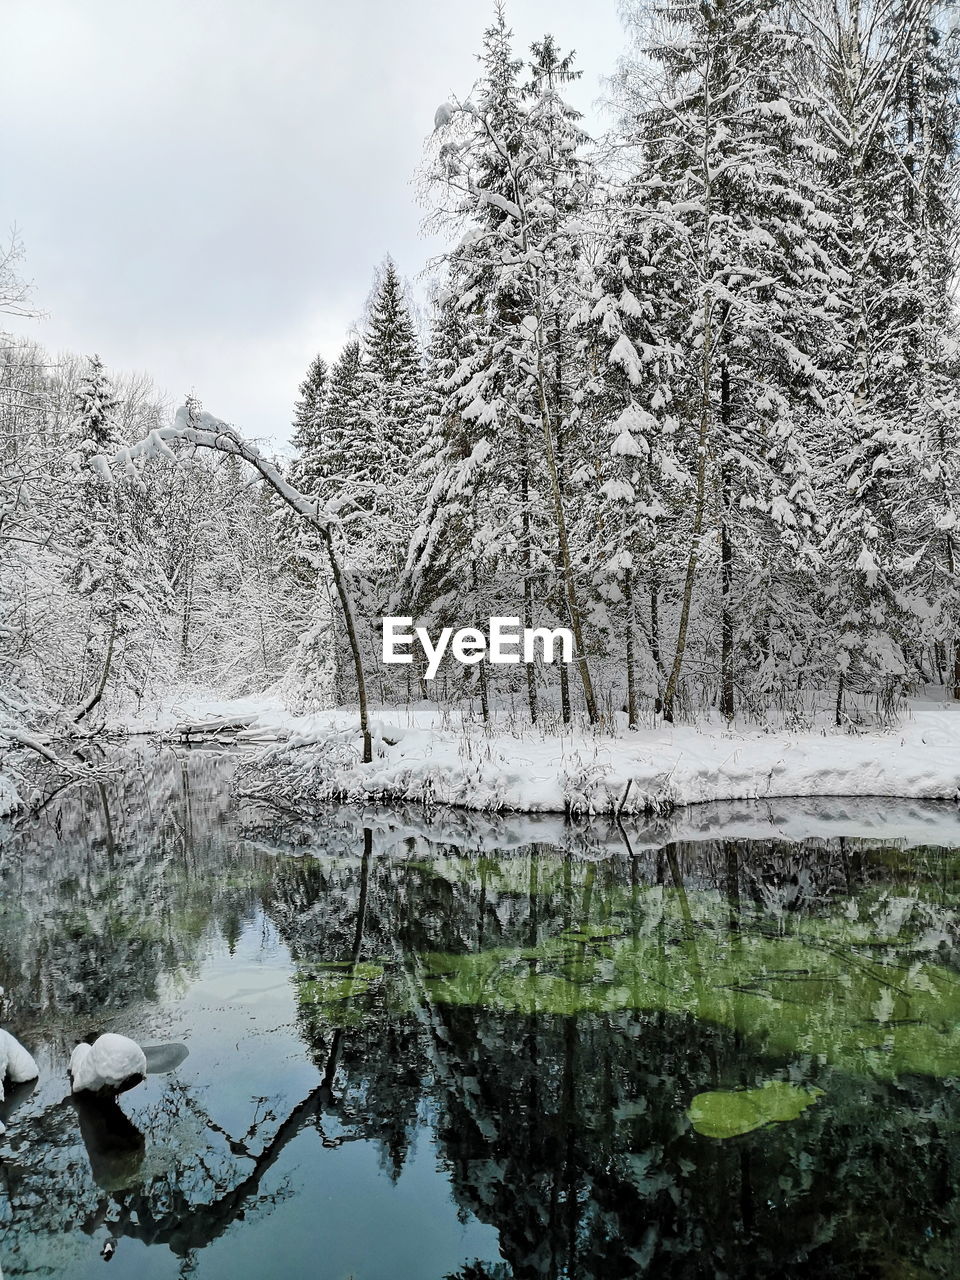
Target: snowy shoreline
[{"x": 423, "y": 757}]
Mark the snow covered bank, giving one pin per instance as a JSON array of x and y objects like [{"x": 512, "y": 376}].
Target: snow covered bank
[
  {"x": 428, "y": 756},
  {"x": 415, "y": 831}
]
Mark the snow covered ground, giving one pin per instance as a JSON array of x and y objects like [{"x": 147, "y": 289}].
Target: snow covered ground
[{"x": 425, "y": 755}]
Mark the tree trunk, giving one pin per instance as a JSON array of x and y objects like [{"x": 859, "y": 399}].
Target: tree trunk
[
  {"x": 566, "y": 562},
  {"x": 726, "y": 566},
  {"x": 565, "y": 711},
  {"x": 89, "y": 703},
  {"x": 727, "y": 705},
  {"x": 631, "y": 682},
  {"x": 699, "y": 513},
  {"x": 529, "y": 667},
  {"x": 350, "y": 622},
  {"x": 482, "y": 667}
]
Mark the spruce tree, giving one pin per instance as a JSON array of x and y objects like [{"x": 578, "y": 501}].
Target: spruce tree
[
  {"x": 310, "y": 682},
  {"x": 725, "y": 190},
  {"x": 95, "y": 409},
  {"x": 308, "y": 427},
  {"x": 345, "y": 451},
  {"x": 96, "y": 522},
  {"x": 392, "y": 376},
  {"x": 873, "y": 83},
  {"x": 392, "y": 411},
  {"x": 511, "y": 168}
]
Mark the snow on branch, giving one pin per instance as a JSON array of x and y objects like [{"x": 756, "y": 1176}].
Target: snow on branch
[
  {"x": 500, "y": 202},
  {"x": 30, "y": 742},
  {"x": 204, "y": 431}
]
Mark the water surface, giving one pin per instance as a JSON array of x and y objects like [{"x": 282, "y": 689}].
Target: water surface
[{"x": 423, "y": 1048}]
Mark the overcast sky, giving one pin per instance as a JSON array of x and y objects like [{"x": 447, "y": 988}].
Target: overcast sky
[{"x": 204, "y": 187}]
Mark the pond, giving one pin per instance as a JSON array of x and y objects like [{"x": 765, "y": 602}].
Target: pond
[{"x": 444, "y": 1047}]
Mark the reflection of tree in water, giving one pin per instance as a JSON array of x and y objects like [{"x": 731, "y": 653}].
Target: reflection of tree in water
[
  {"x": 340, "y": 912},
  {"x": 566, "y": 1130},
  {"x": 185, "y": 1204},
  {"x": 111, "y": 889},
  {"x": 113, "y": 886},
  {"x": 569, "y": 1132},
  {"x": 114, "y": 891}
]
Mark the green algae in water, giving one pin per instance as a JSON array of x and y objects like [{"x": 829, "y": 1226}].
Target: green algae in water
[
  {"x": 856, "y": 988},
  {"x": 727, "y": 1113},
  {"x": 594, "y": 933},
  {"x": 343, "y": 982}
]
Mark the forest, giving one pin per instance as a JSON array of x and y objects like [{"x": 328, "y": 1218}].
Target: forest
[
  {"x": 636, "y": 953},
  {"x": 689, "y": 389}
]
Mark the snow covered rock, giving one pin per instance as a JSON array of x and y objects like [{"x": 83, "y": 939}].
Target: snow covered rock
[
  {"x": 111, "y": 1064},
  {"x": 16, "y": 1065}
]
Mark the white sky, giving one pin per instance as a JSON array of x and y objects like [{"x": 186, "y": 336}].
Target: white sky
[{"x": 204, "y": 187}]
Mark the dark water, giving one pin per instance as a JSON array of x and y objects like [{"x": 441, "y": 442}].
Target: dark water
[{"x": 482, "y": 1050}]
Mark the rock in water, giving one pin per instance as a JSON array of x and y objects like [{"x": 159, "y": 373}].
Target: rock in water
[
  {"x": 16, "y": 1065},
  {"x": 111, "y": 1064},
  {"x": 162, "y": 1058}
]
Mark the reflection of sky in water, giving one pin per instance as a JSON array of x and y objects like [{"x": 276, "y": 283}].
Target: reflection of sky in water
[
  {"x": 313, "y": 1210},
  {"x": 239, "y": 1019},
  {"x": 514, "y": 1068}
]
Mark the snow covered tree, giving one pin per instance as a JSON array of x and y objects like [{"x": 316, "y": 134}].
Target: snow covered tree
[
  {"x": 102, "y": 571},
  {"x": 373, "y": 410},
  {"x": 96, "y": 407},
  {"x": 309, "y": 428},
  {"x": 342, "y": 420},
  {"x": 310, "y": 683},
  {"x": 512, "y": 177},
  {"x": 723, "y": 185},
  {"x": 885, "y": 119},
  {"x": 390, "y": 421},
  {"x": 392, "y": 376},
  {"x": 638, "y": 488}
]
